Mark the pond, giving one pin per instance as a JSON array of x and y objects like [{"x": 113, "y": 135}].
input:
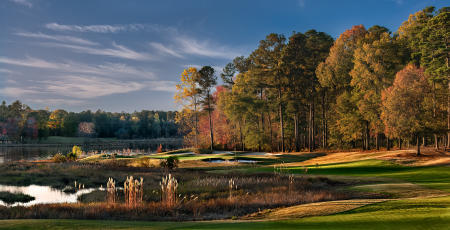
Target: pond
[
  {"x": 17, "y": 153},
  {"x": 43, "y": 194}
]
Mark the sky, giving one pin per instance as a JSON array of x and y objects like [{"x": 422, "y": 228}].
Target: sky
[{"x": 118, "y": 55}]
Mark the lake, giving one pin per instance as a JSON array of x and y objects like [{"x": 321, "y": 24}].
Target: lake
[{"x": 43, "y": 194}]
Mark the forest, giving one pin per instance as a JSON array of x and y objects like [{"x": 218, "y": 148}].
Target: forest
[
  {"x": 20, "y": 123},
  {"x": 369, "y": 88}
]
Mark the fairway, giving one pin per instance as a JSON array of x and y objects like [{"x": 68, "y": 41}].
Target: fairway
[
  {"x": 433, "y": 213},
  {"x": 420, "y": 200}
]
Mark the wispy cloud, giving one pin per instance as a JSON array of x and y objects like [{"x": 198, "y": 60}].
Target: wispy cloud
[
  {"x": 94, "y": 28},
  {"x": 205, "y": 48},
  {"x": 59, "y": 38},
  {"x": 165, "y": 50},
  {"x": 118, "y": 51},
  {"x": 106, "y": 69},
  {"x": 7, "y": 71},
  {"x": 301, "y": 3},
  {"x": 85, "y": 87},
  {"x": 26, "y": 3}
]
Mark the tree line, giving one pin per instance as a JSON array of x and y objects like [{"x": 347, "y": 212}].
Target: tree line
[
  {"x": 367, "y": 89},
  {"x": 18, "y": 123}
]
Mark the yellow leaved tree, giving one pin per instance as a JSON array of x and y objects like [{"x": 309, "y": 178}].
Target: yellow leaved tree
[{"x": 188, "y": 96}]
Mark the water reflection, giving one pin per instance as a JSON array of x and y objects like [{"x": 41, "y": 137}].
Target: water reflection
[
  {"x": 42, "y": 194},
  {"x": 17, "y": 153}
]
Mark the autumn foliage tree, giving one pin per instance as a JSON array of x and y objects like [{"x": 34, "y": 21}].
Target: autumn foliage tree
[
  {"x": 405, "y": 109},
  {"x": 188, "y": 96}
]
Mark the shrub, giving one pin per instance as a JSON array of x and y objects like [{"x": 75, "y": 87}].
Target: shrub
[
  {"x": 59, "y": 158},
  {"x": 76, "y": 152},
  {"x": 170, "y": 162},
  {"x": 202, "y": 151},
  {"x": 159, "y": 149}
]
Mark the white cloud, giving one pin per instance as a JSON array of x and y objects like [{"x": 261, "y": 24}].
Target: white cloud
[
  {"x": 19, "y": 91},
  {"x": 106, "y": 69},
  {"x": 67, "y": 39},
  {"x": 56, "y": 101},
  {"x": 85, "y": 87},
  {"x": 301, "y": 3},
  {"x": 7, "y": 71},
  {"x": 164, "y": 86},
  {"x": 165, "y": 50},
  {"x": 26, "y": 3},
  {"x": 94, "y": 28},
  {"x": 205, "y": 48},
  {"x": 119, "y": 51}
]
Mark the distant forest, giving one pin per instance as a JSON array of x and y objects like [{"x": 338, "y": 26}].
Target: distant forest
[{"x": 18, "y": 123}]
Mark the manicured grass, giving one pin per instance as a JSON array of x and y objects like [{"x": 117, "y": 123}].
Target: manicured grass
[
  {"x": 431, "y": 213},
  {"x": 437, "y": 177}
]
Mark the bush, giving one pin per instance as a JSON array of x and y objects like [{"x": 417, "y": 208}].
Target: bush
[
  {"x": 159, "y": 149},
  {"x": 59, "y": 158},
  {"x": 202, "y": 151},
  {"x": 76, "y": 152},
  {"x": 170, "y": 162}
]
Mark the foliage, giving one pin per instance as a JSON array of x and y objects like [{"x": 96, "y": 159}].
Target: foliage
[
  {"x": 59, "y": 158},
  {"x": 404, "y": 108},
  {"x": 170, "y": 162}
]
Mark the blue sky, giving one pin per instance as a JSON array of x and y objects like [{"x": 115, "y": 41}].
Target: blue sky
[{"x": 119, "y": 55}]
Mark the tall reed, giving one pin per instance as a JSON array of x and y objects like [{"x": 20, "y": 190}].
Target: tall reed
[
  {"x": 169, "y": 186},
  {"x": 133, "y": 191},
  {"x": 111, "y": 191}
]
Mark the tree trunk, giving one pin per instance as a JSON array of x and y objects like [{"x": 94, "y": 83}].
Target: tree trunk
[
  {"x": 418, "y": 145},
  {"x": 399, "y": 143},
  {"x": 324, "y": 122},
  {"x": 280, "y": 108},
  {"x": 448, "y": 107},
  {"x": 377, "y": 144},
  {"x": 241, "y": 137},
  {"x": 313, "y": 126},
  {"x": 310, "y": 144},
  {"x": 297, "y": 144},
  {"x": 211, "y": 132},
  {"x": 436, "y": 142},
  {"x": 367, "y": 136},
  {"x": 388, "y": 145},
  {"x": 196, "y": 124}
]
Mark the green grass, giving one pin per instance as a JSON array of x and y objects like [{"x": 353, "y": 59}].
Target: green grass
[
  {"x": 431, "y": 213},
  {"x": 437, "y": 177}
]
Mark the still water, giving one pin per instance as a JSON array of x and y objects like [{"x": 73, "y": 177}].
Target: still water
[
  {"x": 43, "y": 194},
  {"x": 9, "y": 154}
]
